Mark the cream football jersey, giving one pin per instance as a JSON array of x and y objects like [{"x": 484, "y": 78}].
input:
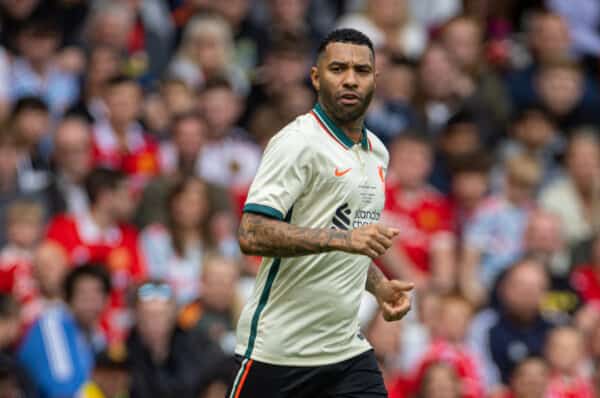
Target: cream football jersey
[{"x": 304, "y": 310}]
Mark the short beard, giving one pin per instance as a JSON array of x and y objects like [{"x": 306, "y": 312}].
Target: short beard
[{"x": 342, "y": 115}]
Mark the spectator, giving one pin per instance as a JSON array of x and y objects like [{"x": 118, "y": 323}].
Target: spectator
[
  {"x": 286, "y": 65},
  {"x": 174, "y": 250},
  {"x": 24, "y": 230},
  {"x": 462, "y": 36},
  {"x": 120, "y": 142},
  {"x": 215, "y": 314},
  {"x": 178, "y": 96},
  {"x": 424, "y": 250},
  {"x": 165, "y": 360},
  {"x": 58, "y": 351},
  {"x": 250, "y": 38},
  {"x": 50, "y": 268},
  {"x": 460, "y": 138},
  {"x": 440, "y": 380},
  {"x": 565, "y": 353},
  {"x": 470, "y": 184},
  {"x": 35, "y": 72},
  {"x": 544, "y": 240},
  {"x": 206, "y": 53},
  {"x": 493, "y": 240},
  {"x": 391, "y": 112},
  {"x": 518, "y": 330},
  {"x": 386, "y": 339},
  {"x": 228, "y": 158},
  {"x": 29, "y": 122},
  {"x": 72, "y": 161},
  {"x": 281, "y": 110},
  {"x": 529, "y": 379},
  {"x": 548, "y": 41},
  {"x": 181, "y": 154},
  {"x": 180, "y": 158},
  {"x": 103, "y": 236},
  {"x": 575, "y": 196},
  {"x": 560, "y": 88},
  {"x": 388, "y": 24},
  {"x": 13, "y": 380},
  {"x": 103, "y": 64},
  {"x": 290, "y": 17},
  {"x": 534, "y": 133},
  {"x": 585, "y": 280},
  {"x": 583, "y": 18},
  {"x": 448, "y": 345}
]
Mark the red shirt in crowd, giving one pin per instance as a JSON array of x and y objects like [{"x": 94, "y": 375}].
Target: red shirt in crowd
[
  {"x": 563, "y": 387},
  {"x": 141, "y": 158},
  {"x": 461, "y": 359},
  {"x": 117, "y": 249},
  {"x": 586, "y": 282},
  {"x": 423, "y": 220},
  {"x": 17, "y": 279}
]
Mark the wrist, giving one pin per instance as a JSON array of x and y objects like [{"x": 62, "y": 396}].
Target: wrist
[{"x": 340, "y": 241}]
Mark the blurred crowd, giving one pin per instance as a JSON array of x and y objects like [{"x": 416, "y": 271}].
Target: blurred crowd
[{"x": 132, "y": 129}]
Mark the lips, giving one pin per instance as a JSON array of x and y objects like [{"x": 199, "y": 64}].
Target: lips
[{"x": 349, "y": 98}]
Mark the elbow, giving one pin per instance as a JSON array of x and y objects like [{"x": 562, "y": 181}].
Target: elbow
[{"x": 246, "y": 246}]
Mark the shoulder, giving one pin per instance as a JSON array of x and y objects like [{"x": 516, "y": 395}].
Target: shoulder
[{"x": 297, "y": 135}]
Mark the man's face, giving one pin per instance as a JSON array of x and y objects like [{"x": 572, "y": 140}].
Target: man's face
[
  {"x": 73, "y": 150},
  {"x": 345, "y": 79},
  {"x": 88, "y": 301},
  {"x": 124, "y": 102},
  {"x": 523, "y": 290}
]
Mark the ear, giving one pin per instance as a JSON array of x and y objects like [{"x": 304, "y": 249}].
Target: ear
[{"x": 314, "y": 77}]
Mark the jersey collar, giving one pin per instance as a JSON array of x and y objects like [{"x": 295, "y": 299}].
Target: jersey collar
[{"x": 337, "y": 132}]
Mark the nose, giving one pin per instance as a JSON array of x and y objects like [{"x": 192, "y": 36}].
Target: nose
[{"x": 350, "y": 79}]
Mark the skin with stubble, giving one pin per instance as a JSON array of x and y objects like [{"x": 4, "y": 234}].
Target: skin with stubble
[{"x": 344, "y": 79}]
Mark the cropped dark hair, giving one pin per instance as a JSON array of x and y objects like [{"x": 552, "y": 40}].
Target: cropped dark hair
[
  {"x": 346, "y": 35},
  {"x": 101, "y": 179},
  {"x": 91, "y": 270}
]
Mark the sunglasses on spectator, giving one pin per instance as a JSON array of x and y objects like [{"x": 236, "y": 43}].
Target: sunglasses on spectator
[{"x": 155, "y": 291}]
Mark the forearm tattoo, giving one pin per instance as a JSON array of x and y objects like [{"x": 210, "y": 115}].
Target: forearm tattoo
[
  {"x": 374, "y": 278},
  {"x": 262, "y": 236}
]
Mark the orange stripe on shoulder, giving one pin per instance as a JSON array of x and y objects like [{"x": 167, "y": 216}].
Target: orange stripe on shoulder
[
  {"x": 243, "y": 380},
  {"x": 326, "y": 130}
]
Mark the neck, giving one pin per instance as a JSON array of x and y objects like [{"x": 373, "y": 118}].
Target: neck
[
  {"x": 191, "y": 235},
  {"x": 352, "y": 128},
  {"x": 38, "y": 66},
  {"x": 120, "y": 128},
  {"x": 100, "y": 217}
]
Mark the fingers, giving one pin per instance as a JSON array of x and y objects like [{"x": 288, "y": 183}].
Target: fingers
[
  {"x": 387, "y": 232},
  {"x": 395, "y": 312},
  {"x": 404, "y": 286}
]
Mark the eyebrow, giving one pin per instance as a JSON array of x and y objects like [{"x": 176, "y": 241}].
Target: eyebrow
[{"x": 343, "y": 63}]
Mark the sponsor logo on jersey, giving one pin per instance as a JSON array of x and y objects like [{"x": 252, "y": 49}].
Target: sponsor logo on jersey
[{"x": 344, "y": 219}]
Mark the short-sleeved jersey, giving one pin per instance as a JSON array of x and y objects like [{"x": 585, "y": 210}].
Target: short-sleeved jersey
[{"x": 303, "y": 310}]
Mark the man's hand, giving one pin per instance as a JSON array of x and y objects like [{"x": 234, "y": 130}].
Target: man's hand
[
  {"x": 371, "y": 240},
  {"x": 393, "y": 298}
]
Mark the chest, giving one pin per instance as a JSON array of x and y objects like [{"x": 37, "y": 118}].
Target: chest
[{"x": 348, "y": 186}]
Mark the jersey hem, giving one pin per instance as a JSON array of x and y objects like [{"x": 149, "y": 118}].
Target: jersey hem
[{"x": 309, "y": 362}]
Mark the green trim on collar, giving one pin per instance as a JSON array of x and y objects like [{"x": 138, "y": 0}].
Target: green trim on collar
[{"x": 338, "y": 132}]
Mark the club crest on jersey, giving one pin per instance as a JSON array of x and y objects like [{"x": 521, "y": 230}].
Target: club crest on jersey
[{"x": 344, "y": 219}]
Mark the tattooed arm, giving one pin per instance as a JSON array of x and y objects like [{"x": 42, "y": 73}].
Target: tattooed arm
[
  {"x": 263, "y": 236},
  {"x": 374, "y": 279},
  {"x": 393, "y": 296}
]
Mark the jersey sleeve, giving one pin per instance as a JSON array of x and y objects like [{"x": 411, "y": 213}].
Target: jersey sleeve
[{"x": 282, "y": 176}]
